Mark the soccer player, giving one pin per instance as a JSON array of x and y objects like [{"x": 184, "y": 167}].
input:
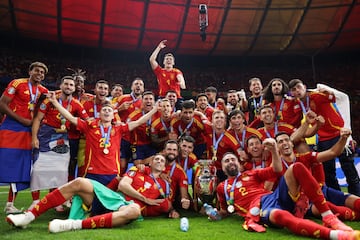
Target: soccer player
[
  {"x": 219, "y": 141},
  {"x": 177, "y": 177},
  {"x": 102, "y": 153},
  {"x": 323, "y": 103},
  {"x": 116, "y": 92},
  {"x": 140, "y": 137},
  {"x": 160, "y": 126},
  {"x": 74, "y": 135},
  {"x": 128, "y": 103},
  {"x": 169, "y": 78},
  {"x": 202, "y": 105},
  {"x": 113, "y": 211},
  {"x": 286, "y": 109},
  {"x": 50, "y": 140},
  {"x": 244, "y": 193},
  {"x": 18, "y": 103},
  {"x": 311, "y": 159},
  {"x": 256, "y": 99},
  {"x": 148, "y": 189},
  {"x": 187, "y": 159},
  {"x": 171, "y": 95},
  {"x": 240, "y": 131},
  {"x": 189, "y": 124}
]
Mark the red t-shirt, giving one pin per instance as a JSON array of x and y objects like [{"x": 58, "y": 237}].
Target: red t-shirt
[
  {"x": 141, "y": 134},
  {"x": 96, "y": 161},
  {"x": 194, "y": 128},
  {"x": 288, "y": 111},
  {"x": 18, "y": 92},
  {"x": 52, "y": 116},
  {"x": 167, "y": 80},
  {"x": 323, "y": 104},
  {"x": 190, "y": 161},
  {"x": 144, "y": 184},
  {"x": 249, "y": 188},
  {"x": 178, "y": 179},
  {"x": 281, "y": 127},
  {"x": 228, "y": 143}
]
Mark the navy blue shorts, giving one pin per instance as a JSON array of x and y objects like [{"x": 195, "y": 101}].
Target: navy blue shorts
[{"x": 279, "y": 199}]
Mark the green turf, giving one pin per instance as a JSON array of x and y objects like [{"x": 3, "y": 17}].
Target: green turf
[{"x": 150, "y": 228}]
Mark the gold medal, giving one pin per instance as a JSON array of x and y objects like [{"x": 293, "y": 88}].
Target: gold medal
[
  {"x": 106, "y": 151},
  {"x": 214, "y": 158},
  {"x": 31, "y": 106},
  {"x": 63, "y": 128},
  {"x": 230, "y": 208}
]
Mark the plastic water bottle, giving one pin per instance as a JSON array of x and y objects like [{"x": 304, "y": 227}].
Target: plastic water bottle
[
  {"x": 210, "y": 211},
  {"x": 184, "y": 224}
]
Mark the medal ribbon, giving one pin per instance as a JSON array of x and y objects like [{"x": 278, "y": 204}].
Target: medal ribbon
[
  {"x": 106, "y": 135},
  {"x": 286, "y": 164},
  {"x": 167, "y": 129},
  {"x": 96, "y": 114},
  {"x": 303, "y": 108},
  {"x": 242, "y": 143},
  {"x": 216, "y": 142},
  {"x": 62, "y": 119},
  {"x": 172, "y": 169},
  {"x": 187, "y": 127},
  {"x": 257, "y": 105},
  {"x": 161, "y": 190},
  {"x": 279, "y": 114},
  {"x": 33, "y": 96},
  {"x": 275, "y": 132},
  {"x": 230, "y": 199}
]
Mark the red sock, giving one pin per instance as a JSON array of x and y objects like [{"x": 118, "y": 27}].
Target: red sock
[
  {"x": 52, "y": 199},
  {"x": 11, "y": 195},
  {"x": 357, "y": 205},
  {"x": 310, "y": 187},
  {"x": 344, "y": 213},
  {"x": 113, "y": 184},
  {"x": 300, "y": 226},
  {"x": 100, "y": 221},
  {"x": 35, "y": 195}
]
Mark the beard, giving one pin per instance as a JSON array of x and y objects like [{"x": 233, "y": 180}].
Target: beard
[
  {"x": 232, "y": 171},
  {"x": 170, "y": 157}
]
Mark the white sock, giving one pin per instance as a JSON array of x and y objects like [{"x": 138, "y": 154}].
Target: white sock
[
  {"x": 77, "y": 224},
  {"x": 30, "y": 215},
  {"x": 328, "y": 212},
  {"x": 334, "y": 234}
]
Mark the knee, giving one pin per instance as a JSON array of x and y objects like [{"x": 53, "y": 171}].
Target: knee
[
  {"x": 77, "y": 183},
  {"x": 133, "y": 211}
]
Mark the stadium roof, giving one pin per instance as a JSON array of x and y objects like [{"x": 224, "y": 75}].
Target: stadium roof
[{"x": 235, "y": 27}]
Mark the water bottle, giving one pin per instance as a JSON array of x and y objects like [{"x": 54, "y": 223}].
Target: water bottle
[
  {"x": 184, "y": 224},
  {"x": 210, "y": 211}
]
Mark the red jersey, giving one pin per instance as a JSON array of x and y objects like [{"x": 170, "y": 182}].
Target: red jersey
[
  {"x": 309, "y": 159},
  {"x": 19, "y": 92},
  {"x": 52, "y": 116},
  {"x": 160, "y": 128},
  {"x": 136, "y": 104},
  {"x": 96, "y": 161},
  {"x": 178, "y": 179},
  {"x": 220, "y": 144},
  {"x": 209, "y": 112},
  {"x": 84, "y": 97},
  {"x": 141, "y": 134},
  {"x": 189, "y": 162},
  {"x": 249, "y": 188},
  {"x": 251, "y": 164},
  {"x": 242, "y": 136},
  {"x": 195, "y": 128},
  {"x": 324, "y": 105},
  {"x": 287, "y": 111},
  {"x": 124, "y": 114},
  {"x": 145, "y": 184},
  {"x": 167, "y": 80},
  {"x": 279, "y": 127}
]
